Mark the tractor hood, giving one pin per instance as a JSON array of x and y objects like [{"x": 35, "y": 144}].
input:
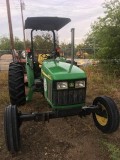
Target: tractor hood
[{"x": 57, "y": 70}]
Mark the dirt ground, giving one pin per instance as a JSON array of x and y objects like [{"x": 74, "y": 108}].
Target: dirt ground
[{"x": 69, "y": 138}]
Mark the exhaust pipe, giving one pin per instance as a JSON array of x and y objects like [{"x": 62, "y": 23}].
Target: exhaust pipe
[{"x": 72, "y": 45}]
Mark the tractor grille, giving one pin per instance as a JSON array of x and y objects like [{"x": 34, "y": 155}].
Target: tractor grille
[
  {"x": 69, "y": 97},
  {"x": 50, "y": 91}
]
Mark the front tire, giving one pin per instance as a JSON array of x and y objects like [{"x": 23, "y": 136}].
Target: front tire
[
  {"x": 106, "y": 118},
  {"x": 11, "y": 129},
  {"x": 16, "y": 84}
]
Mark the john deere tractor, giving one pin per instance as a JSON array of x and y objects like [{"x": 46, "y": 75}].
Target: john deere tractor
[{"x": 62, "y": 83}]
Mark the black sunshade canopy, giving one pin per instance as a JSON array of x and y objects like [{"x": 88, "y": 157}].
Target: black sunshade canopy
[{"x": 46, "y": 23}]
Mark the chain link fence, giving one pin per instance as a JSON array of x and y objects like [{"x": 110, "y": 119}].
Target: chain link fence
[{"x": 6, "y": 58}]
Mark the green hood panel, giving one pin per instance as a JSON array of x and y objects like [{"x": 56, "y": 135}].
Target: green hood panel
[{"x": 57, "y": 70}]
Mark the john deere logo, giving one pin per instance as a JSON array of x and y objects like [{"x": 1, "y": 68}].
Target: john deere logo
[{"x": 71, "y": 84}]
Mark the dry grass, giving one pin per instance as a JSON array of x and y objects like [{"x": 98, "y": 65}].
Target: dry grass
[
  {"x": 101, "y": 83},
  {"x": 113, "y": 149},
  {"x": 3, "y": 77},
  {"x": 4, "y": 97}
]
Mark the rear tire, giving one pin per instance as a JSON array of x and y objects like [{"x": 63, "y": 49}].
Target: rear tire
[
  {"x": 16, "y": 84},
  {"x": 106, "y": 118},
  {"x": 11, "y": 129}
]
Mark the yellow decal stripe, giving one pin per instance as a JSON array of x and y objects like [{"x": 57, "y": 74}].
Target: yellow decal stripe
[{"x": 48, "y": 76}]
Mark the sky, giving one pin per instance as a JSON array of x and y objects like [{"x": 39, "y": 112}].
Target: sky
[{"x": 81, "y": 12}]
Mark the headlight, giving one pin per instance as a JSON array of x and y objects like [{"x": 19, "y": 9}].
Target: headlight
[
  {"x": 79, "y": 84},
  {"x": 62, "y": 85}
]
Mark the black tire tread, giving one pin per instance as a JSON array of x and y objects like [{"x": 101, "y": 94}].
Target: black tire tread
[
  {"x": 16, "y": 84},
  {"x": 11, "y": 130},
  {"x": 115, "y": 111},
  {"x": 113, "y": 114}
]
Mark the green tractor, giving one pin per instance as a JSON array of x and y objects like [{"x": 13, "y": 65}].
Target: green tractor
[{"x": 62, "y": 83}]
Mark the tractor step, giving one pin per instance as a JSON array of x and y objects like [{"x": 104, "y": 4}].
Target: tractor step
[{"x": 38, "y": 85}]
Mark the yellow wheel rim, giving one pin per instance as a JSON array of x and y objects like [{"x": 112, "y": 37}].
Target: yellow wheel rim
[{"x": 102, "y": 120}]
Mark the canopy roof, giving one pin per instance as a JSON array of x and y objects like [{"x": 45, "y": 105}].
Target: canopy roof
[{"x": 46, "y": 23}]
